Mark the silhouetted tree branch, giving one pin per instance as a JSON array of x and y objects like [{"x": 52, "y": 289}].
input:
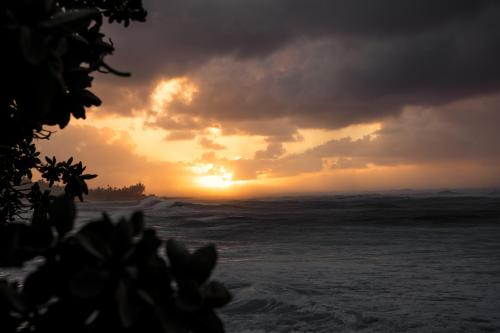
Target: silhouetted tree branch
[{"x": 50, "y": 50}]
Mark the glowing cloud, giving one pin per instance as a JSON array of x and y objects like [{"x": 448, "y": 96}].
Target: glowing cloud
[{"x": 168, "y": 91}]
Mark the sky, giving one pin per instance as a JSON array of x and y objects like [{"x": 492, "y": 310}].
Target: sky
[{"x": 262, "y": 97}]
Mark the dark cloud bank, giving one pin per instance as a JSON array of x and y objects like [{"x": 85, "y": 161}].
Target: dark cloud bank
[{"x": 320, "y": 63}]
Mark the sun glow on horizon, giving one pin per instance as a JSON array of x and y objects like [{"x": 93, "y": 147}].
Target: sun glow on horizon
[
  {"x": 212, "y": 176},
  {"x": 228, "y": 168}
]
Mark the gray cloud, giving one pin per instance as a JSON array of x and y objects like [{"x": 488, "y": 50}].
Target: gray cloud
[
  {"x": 464, "y": 133},
  {"x": 271, "y": 67},
  {"x": 273, "y": 150},
  {"x": 180, "y": 34}
]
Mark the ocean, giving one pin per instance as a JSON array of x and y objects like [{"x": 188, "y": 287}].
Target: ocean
[{"x": 418, "y": 262}]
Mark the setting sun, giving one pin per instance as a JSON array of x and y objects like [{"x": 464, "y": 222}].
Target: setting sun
[{"x": 212, "y": 176}]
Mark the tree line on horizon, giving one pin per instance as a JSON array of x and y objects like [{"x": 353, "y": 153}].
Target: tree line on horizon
[
  {"x": 108, "y": 193},
  {"x": 132, "y": 192}
]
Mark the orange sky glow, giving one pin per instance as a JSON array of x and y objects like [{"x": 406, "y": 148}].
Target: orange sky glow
[
  {"x": 226, "y": 101},
  {"x": 216, "y": 162}
]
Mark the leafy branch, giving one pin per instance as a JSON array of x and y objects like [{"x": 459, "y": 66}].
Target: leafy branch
[{"x": 50, "y": 50}]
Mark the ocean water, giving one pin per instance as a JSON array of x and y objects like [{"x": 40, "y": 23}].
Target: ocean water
[{"x": 351, "y": 263}]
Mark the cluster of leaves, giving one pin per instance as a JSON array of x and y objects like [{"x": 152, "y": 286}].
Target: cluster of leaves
[
  {"x": 18, "y": 194},
  {"x": 50, "y": 50},
  {"x": 106, "y": 277}
]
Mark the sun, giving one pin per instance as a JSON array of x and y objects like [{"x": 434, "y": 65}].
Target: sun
[
  {"x": 215, "y": 181},
  {"x": 212, "y": 176}
]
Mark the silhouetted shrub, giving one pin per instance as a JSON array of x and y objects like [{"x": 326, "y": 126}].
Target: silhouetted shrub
[{"x": 106, "y": 277}]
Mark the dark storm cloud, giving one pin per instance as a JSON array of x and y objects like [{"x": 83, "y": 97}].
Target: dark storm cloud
[
  {"x": 181, "y": 33},
  {"x": 319, "y": 64}
]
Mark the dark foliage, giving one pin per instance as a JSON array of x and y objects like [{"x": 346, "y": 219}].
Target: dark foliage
[
  {"x": 50, "y": 50},
  {"x": 18, "y": 193},
  {"x": 106, "y": 277}
]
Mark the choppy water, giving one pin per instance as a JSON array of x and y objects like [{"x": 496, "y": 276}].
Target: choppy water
[{"x": 371, "y": 263}]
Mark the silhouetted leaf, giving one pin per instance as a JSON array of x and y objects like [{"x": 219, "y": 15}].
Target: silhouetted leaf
[
  {"x": 122, "y": 239},
  {"x": 88, "y": 98},
  {"x": 206, "y": 322},
  {"x": 39, "y": 285},
  {"x": 63, "y": 120},
  {"x": 190, "y": 298},
  {"x": 154, "y": 278},
  {"x": 95, "y": 238},
  {"x": 216, "y": 295},
  {"x": 62, "y": 214},
  {"x": 37, "y": 238},
  {"x": 85, "y": 188},
  {"x": 147, "y": 247},
  {"x": 33, "y": 45},
  {"x": 178, "y": 255},
  {"x": 89, "y": 283},
  {"x": 172, "y": 323},
  {"x": 10, "y": 292},
  {"x": 128, "y": 304},
  {"x": 202, "y": 262},
  {"x": 137, "y": 221},
  {"x": 77, "y": 110},
  {"x": 12, "y": 242},
  {"x": 49, "y": 5}
]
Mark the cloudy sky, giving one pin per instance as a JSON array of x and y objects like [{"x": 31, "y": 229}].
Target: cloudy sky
[{"x": 249, "y": 97}]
